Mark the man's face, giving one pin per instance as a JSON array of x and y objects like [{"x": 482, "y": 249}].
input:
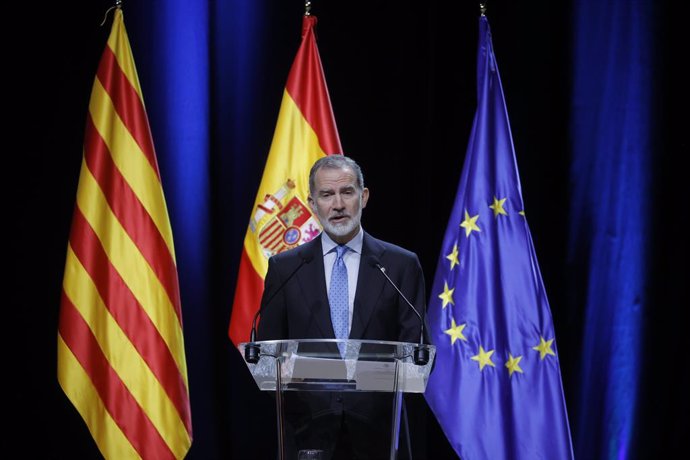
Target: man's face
[{"x": 338, "y": 203}]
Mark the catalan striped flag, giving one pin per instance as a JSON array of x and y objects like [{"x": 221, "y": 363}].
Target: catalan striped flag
[
  {"x": 121, "y": 358},
  {"x": 281, "y": 218},
  {"x": 496, "y": 387}
]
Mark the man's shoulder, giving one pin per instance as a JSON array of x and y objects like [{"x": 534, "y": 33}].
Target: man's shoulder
[{"x": 381, "y": 247}]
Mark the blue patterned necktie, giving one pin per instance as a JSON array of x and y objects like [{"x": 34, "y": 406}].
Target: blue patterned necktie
[{"x": 338, "y": 297}]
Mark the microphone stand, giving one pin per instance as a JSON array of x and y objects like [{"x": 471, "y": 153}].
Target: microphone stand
[
  {"x": 421, "y": 352},
  {"x": 252, "y": 350}
]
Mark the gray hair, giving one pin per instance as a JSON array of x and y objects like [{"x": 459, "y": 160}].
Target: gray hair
[{"x": 335, "y": 162}]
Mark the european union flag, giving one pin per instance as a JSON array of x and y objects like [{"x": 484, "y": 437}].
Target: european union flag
[{"x": 496, "y": 388}]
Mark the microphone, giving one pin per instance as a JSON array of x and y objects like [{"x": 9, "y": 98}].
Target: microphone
[
  {"x": 421, "y": 353},
  {"x": 252, "y": 350}
]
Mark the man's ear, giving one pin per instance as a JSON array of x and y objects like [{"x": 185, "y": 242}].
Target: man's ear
[
  {"x": 365, "y": 197},
  {"x": 312, "y": 205}
]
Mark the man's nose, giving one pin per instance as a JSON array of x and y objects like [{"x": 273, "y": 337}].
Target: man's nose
[{"x": 338, "y": 202}]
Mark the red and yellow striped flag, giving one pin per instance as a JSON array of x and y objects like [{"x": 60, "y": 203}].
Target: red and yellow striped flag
[
  {"x": 281, "y": 218},
  {"x": 121, "y": 358}
]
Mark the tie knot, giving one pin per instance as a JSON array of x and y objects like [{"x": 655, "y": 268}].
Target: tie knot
[{"x": 341, "y": 249}]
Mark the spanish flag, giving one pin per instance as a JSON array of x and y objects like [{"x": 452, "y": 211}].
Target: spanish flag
[
  {"x": 281, "y": 218},
  {"x": 121, "y": 358}
]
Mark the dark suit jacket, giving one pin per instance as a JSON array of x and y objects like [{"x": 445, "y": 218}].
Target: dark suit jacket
[
  {"x": 300, "y": 310},
  {"x": 295, "y": 306}
]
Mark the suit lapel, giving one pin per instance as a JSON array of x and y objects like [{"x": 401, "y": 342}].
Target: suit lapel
[{"x": 370, "y": 285}]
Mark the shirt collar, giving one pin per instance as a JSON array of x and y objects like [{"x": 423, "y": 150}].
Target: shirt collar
[{"x": 355, "y": 244}]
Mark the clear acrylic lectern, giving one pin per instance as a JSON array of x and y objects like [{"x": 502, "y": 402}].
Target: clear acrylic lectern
[{"x": 317, "y": 365}]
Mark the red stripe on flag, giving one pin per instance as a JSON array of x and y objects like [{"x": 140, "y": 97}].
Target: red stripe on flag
[
  {"x": 118, "y": 401},
  {"x": 127, "y": 103},
  {"x": 132, "y": 215},
  {"x": 310, "y": 93},
  {"x": 129, "y": 314},
  {"x": 250, "y": 287}
]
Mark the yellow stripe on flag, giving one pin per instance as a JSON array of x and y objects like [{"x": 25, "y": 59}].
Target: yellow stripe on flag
[
  {"x": 120, "y": 42},
  {"x": 125, "y": 360},
  {"x": 78, "y": 387},
  {"x": 294, "y": 149},
  {"x": 131, "y": 161},
  {"x": 130, "y": 264},
  {"x": 281, "y": 218}
]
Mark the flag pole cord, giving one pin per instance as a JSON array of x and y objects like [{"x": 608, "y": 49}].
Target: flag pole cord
[{"x": 118, "y": 5}]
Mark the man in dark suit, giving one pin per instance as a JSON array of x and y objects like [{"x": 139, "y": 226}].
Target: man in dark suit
[{"x": 305, "y": 284}]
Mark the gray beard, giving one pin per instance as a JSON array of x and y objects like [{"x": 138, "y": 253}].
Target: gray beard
[{"x": 344, "y": 228}]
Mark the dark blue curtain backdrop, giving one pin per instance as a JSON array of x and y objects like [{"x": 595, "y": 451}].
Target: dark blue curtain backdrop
[
  {"x": 612, "y": 128},
  {"x": 590, "y": 89}
]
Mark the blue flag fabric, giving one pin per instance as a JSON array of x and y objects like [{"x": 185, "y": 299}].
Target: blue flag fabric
[{"x": 496, "y": 387}]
